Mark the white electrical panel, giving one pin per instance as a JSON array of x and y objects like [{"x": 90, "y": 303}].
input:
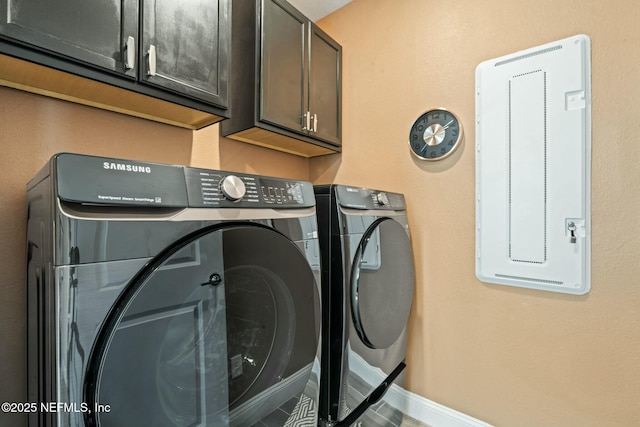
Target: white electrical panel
[{"x": 533, "y": 156}]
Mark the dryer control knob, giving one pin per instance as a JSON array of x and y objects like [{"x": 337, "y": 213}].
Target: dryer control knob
[
  {"x": 382, "y": 199},
  {"x": 232, "y": 188}
]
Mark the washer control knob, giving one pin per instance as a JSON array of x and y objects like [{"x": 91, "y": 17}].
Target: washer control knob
[
  {"x": 232, "y": 188},
  {"x": 382, "y": 199}
]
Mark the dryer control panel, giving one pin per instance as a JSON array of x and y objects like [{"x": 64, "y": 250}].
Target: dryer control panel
[
  {"x": 365, "y": 198},
  {"x": 103, "y": 181}
]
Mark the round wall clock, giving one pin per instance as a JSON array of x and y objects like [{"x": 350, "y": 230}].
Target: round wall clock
[{"x": 435, "y": 135}]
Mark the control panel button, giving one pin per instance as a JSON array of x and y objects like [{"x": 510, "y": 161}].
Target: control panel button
[
  {"x": 232, "y": 188},
  {"x": 382, "y": 199}
]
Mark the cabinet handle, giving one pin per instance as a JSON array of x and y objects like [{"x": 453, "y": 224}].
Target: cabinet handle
[
  {"x": 152, "y": 61},
  {"x": 130, "y": 53},
  {"x": 315, "y": 123},
  {"x": 307, "y": 118}
]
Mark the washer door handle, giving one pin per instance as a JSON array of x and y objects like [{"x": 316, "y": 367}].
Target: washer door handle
[{"x": 214, "y": 280}]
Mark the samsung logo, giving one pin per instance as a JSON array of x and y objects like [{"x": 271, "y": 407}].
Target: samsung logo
[{"x": 126, "y": 167}]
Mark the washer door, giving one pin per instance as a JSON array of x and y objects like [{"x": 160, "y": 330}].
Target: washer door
[
  {"x": 221, "y": 329},
  {"x": 382, "y": 282}
]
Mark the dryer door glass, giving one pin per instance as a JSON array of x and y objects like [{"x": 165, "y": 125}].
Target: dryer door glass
[
  {"x": 221, "y": 329},
  {"x": 382, "y": 282}
]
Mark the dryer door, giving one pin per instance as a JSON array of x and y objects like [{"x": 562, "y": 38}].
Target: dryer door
[
  {"x": 221, "y": 329},
  {"x": 382, "y": 282}
]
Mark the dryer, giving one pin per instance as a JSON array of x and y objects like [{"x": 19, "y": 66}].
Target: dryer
[
  {"x": 367, "y": 288},
  {"x": 170, "y": 296}
]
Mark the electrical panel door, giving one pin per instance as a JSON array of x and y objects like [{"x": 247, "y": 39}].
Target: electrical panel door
[{"x": 533, "y": 155}]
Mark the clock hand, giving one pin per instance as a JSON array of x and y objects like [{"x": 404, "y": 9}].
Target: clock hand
[{"x": 447, "y": 125}]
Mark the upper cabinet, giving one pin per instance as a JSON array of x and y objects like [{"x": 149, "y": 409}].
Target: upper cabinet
[
  {"x": 286, "y": 84},
  {"x": 184, "y": 48},
  {"x": 159, "y": 59},
  {"x": 96, "y": 33},
  {"x": 324, "y": 86}
]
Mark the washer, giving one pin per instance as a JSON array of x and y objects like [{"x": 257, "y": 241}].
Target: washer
[
  {"x": 367, "y": 285},
  {"x": 170, "y": 296}
]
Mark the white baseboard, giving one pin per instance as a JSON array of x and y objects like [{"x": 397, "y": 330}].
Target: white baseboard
[{"x": 427, "y": 411}]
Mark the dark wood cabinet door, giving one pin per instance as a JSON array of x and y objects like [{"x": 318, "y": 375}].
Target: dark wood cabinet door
[
  {"x": 325, "y": 86},
  {"x": 185, "y": 47},
  {"x": 93, "y": 32},
  {"x": 283, "y": 82}
]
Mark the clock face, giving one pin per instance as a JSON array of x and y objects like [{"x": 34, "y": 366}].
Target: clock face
[{"x": 435, "y": 135}]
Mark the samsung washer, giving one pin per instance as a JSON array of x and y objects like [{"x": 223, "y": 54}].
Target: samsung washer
[
  {"x": 161, "y": 295},
  {"x": 367, "y": 288}
]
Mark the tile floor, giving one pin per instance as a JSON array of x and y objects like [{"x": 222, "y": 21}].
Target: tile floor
[
  {"x": 383, "y": 415},
  {"x": 380, "y": 414},
  {"x": 301, "y": 413},
  {"x": 410, "y": 422}
]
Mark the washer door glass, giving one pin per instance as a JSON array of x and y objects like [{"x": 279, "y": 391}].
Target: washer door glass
[
  {"x": 221, "y": 329},
  {"x": 382, "y": 282}
]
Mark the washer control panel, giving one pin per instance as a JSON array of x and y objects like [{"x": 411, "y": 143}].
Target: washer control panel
[
  {"x": 211, "y": 188},
  {"x": 105, "y": 181}
]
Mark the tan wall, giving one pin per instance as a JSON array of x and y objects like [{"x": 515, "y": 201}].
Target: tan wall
[
  {"x": 509, "y": 356},
  {"x": 32, "y": 129}
]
